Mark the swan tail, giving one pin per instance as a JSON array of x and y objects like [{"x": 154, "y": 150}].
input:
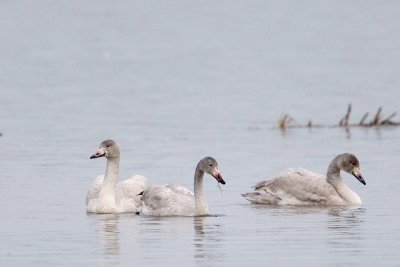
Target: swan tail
[{"x": 265, "y": 197}]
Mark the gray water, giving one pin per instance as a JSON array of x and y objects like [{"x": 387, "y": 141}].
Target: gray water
[{"x": 175, "y": 81}]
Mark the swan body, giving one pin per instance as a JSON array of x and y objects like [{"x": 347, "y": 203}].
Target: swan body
[
  {"x": 176, "y": 200},
  {"x": 303, "y": 187},
  {"x": 105, "y": 195}
]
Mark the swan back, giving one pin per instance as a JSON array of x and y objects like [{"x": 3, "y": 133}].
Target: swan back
[
  {"x": 293, "y": 187},
  {"x": 167, "y": 200}
]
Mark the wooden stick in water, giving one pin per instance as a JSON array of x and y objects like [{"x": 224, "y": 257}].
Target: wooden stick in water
[
  {"x": 363, "y": 119},
  {"x": 388, "y": 119},
  {"x": 345, "y": 120},
  {"x": 377, "y": 117}
]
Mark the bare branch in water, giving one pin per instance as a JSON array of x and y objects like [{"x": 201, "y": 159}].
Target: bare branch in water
[
  {"x": 345, "y": 120},
  {"x": 377, "y": 118},
  {"x": 363, "y": 119},
  {"x": 284, "y": 121},
  {"x": 377, "y": 121}
]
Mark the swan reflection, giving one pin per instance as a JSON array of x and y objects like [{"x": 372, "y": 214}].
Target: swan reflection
[
  {"x": 107, "y": 233},
  {"x": 208, "y": 239},
  {"x": 345, "y": 229}
]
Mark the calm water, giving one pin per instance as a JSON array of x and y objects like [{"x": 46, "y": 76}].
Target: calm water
[{"x": 173, "y": 82}]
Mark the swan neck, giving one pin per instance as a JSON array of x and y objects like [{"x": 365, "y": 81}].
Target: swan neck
[
  {"x": 333, "y": 174},
  {"x": 199, "y": 201},
  {"x": 333, "y": 178},
  {"x": 111, "y": 175}
]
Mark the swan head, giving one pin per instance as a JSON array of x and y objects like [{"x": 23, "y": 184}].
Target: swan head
[
  {"x": 108, "y": 149},
  {"x": 349, "y": 163},
  {"x": 210, "y": 165}
]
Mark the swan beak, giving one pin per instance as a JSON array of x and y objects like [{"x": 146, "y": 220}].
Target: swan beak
[
  {"x": 356, "y": 173},
  {"x": 218, "y": 177},
  {"x": 99, "y": 153}
]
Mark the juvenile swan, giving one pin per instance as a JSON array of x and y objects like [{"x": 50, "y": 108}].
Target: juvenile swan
[
  {"x": 105, "y": 195},
  {"x": 303, "y": 187},
  {"x": 176, "y": 200}
]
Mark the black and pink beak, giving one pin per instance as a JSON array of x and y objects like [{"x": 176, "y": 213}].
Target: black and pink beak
[
  {"x": 356, "y": 173},
  {"x": 218, "y": 177},
  {"x": 99, "y": 153}
]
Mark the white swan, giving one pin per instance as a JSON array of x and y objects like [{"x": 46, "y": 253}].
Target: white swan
[
  {"x": 303, "y": 187},
  {"x": 176, "y": 200},
  {"x": 105, "y": 195}
]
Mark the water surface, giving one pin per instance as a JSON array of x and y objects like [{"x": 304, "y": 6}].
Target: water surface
[{"x": 176, "y": 81}]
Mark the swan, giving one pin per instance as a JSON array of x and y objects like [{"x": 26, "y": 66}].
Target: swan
[
  {"x": 176, "y": 200},
  {"x": 105, "y": 195},
  {"x": 303, "y": 187}
]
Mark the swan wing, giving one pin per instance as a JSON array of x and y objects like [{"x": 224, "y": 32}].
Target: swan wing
[
  {"x": 180, "y": 189},
  {"x": 132, "y": 187},
  {"x": 128, "y": 193},
  {"x": 167, "y": 200},
  {"x": 292, "y": 187},
  {"x": 94, "y": 189}
]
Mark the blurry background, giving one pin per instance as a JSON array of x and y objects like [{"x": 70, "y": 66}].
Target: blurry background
[{"x": 173, "y": 82}]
